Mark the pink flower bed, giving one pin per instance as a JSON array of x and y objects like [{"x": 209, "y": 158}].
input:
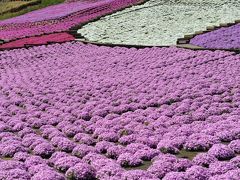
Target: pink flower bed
[
  {"x": 39, "y": 40},
  {"x": 54, "y": 19},
  {"x": 75, "y": 111}
]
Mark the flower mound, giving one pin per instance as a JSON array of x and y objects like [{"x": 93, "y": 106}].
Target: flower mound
[
  {"x": 221, "y": 152},
  {"x": 235, "y": 146},
  {"x": 81, "y": 171}
]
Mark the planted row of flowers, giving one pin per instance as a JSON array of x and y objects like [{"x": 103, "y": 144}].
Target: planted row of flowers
[
  {"x": 52, "y": 12},
  {"x": 38, "y": 40},
  {"x": 85, "y": 112},
  {"x": 58, "y": 18}
]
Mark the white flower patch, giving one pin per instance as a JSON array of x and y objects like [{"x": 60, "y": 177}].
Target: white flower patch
[{"x": 161, "y": 22}]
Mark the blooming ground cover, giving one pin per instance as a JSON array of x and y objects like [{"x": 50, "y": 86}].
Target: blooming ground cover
[
  {"x": 39, "y": 40},
  {"x": 58, "y": 18},
  {"x": 75, "y": 111},
  {"x": 51, "y": 12},
  {"x": 161, "y": 22},
  {"x": 226, "y": 37}
]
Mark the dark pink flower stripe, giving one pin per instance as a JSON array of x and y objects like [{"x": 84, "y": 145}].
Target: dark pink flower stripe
[{"x": 44, "y": 39}]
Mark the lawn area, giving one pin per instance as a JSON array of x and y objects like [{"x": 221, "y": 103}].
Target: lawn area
[
  {"x": 43, "y": 4},
  {"x": 6, "y": 6}
]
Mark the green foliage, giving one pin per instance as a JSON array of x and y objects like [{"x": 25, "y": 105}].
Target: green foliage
[{"x": 43, "y": 4}]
